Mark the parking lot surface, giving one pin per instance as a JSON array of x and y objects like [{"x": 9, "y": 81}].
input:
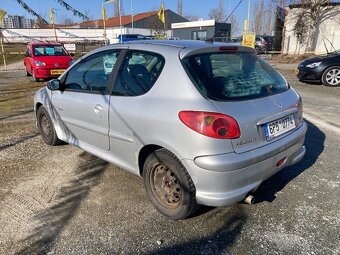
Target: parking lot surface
[{"x": 61, "y": 200}]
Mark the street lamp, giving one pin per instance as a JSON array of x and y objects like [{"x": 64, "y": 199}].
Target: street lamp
[{"x": 132, "y": 18}]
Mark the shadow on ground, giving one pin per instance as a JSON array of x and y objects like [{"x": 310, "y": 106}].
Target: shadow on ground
[
  {"x": 54, "y": 218},
  {"x": 228, "y": 224},
  {"x": 314, "y": 143}
]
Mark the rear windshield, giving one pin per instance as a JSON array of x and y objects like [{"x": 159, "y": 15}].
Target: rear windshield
[
  {"x": 233, "y": 75},
  {"x": 47, "y": 50}
]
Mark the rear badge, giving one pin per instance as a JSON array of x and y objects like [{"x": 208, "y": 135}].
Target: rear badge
[
  {"x": 250, "y": 140},
  {"x": 277, "y": 103}
]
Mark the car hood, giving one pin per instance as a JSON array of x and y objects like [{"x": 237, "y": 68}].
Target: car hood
[{"x": 319, "y": 58}]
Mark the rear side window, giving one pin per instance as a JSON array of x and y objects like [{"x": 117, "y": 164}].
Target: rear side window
[
  {"x": 138, "y": 73},
  {"x": 231, "y": 76}
]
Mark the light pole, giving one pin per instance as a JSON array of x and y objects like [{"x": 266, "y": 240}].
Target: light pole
[
  {"x": 132, "y": 18},
  {"x": 120, "y": 19}
]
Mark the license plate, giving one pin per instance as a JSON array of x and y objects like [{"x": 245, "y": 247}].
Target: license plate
[
  {"x": 279, "y": 127},
  {"x": 57, "y": 71},
  {"x": 296, "y": 71}
]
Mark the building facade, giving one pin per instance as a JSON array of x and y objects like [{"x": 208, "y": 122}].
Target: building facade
[
  {"x": 201, "y": 30},
  {"x": 14, "y": 21},
  {"x": 327, "y": 32}
]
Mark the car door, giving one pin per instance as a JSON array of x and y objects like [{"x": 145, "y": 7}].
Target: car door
[{"x": 82, "y": 104}]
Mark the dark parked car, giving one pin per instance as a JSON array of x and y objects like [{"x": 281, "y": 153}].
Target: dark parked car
[
  {"x": 263, "y": 43},
  {"x": 321, "y": 69}
]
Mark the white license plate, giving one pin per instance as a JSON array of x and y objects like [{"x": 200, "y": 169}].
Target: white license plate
[
  {"x": 279, "y": 127},
  {"x": 57, "y": 71}
]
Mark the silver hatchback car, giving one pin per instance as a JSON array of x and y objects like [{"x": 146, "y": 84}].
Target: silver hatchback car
[{"x": 202, "y": 123}]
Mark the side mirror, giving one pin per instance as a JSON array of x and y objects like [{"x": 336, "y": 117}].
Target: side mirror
[
  {"x": 72, "y": 54},
  {"x": 53, "y": 84}
]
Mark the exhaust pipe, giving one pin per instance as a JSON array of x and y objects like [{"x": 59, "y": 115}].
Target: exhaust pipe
[{"x": 249, "y": 199}]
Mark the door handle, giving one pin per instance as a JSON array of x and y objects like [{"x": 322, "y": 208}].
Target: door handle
[{"x": 98, "y": 108}]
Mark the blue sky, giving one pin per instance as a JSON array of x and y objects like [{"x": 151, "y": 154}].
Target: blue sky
[{"x": 199, "y": 8}]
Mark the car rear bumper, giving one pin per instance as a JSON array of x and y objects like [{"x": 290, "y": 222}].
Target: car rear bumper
[{"x": 229, "y": 181}]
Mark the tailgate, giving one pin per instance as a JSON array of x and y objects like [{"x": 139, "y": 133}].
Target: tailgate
[{"x": 263, "y": 120}]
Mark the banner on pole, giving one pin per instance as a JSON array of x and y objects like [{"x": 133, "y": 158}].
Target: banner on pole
[
  {"x": 248, "y": 40},
  {"x": 161, "y": 13},
  {"x": 2, "y": 14}
]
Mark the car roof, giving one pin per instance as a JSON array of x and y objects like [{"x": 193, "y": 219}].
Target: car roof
[
  {"x": 185, "y": 46},
  {"x": 44, "y": 43}
]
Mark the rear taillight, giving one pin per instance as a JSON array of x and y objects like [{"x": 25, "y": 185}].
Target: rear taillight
[
  {"x": 264, "y": 42},
  {"x": 215, "y": 125}
]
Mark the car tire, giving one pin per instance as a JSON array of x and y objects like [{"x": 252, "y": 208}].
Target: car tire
[
  {"x": 168, "y": 185},
  {"x": 27, "y": 73},
  {"x": 331, "y": 76},
  {"x": 46, "y": 127},
  {"x": 35, "y": 79}
]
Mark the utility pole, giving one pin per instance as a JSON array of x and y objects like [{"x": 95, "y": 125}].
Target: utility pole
[
  {"x": 2, "y": 49},
  {"x": 248, "y": 16}
]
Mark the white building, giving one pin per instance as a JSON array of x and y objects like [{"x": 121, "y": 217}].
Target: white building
[
  {"x": 14, "y": 21},
  {"x": 327, "y": 32}
]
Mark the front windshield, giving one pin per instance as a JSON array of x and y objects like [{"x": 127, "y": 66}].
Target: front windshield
[{"x": 49, "y": 50}]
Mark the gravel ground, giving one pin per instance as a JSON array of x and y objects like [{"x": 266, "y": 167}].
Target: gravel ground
[{"x": 61, "y": 200}]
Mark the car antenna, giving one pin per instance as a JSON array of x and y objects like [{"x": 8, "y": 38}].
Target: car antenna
[{"x": 211, "y": 40}]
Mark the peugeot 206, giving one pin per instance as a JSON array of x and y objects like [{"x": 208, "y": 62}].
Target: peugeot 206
[{"x": 202, "y": 123}]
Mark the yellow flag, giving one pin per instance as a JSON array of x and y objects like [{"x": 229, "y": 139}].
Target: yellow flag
[
  {"x": 104, "y": 13},
  {"x": 161, "y": 13},
  {"x": 51, "y": 16},
  {"x": 2, "y": 14}
]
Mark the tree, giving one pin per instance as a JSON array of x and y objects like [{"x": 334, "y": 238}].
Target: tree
[
  {"x": 116, "y": 4},
  {"x": 180, "y": 7},
  {"x": 258, "y": 16},
  {"x": 235, "y": 25},
  {"x": 308, "y": 16},
  {"x": 218, "y": 13},
  {"x": 191, "y": 17},
  {"x": 65, "y": 20}
]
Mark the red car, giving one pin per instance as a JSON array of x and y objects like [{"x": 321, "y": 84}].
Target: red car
[{"x": 46, "y": 60}]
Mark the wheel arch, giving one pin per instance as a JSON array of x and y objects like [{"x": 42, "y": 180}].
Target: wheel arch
[
  {"x": 144, "y": 153},
  {"x": 37, "y": 106}
]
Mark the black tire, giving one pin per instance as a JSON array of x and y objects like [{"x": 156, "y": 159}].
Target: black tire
[
  {"x": 34, "y": 78},
  {"x": 331, "y": 76},
  {"x": 46, "y": 128},
  {"x": 168, "y": 185},
  {"x": 27, "y": 73}
]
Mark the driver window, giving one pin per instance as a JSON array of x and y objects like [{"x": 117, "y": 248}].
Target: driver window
[{"x": 93, "y": 73}]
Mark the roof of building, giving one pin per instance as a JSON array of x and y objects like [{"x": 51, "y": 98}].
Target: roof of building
[
  {"x": 115, "y": 21},
  {"x": 110, "y": 22}
]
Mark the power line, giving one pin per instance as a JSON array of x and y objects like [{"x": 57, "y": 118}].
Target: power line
[{"x": 233, "y": 11}]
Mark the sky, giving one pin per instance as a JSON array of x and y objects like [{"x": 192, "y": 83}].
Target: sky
[{"x": 200, "y": 8}]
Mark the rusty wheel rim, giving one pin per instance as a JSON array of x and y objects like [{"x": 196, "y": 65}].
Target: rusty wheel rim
[
  {"x": 165, "y": 186},
  {"x": 45, "y": 126}
]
